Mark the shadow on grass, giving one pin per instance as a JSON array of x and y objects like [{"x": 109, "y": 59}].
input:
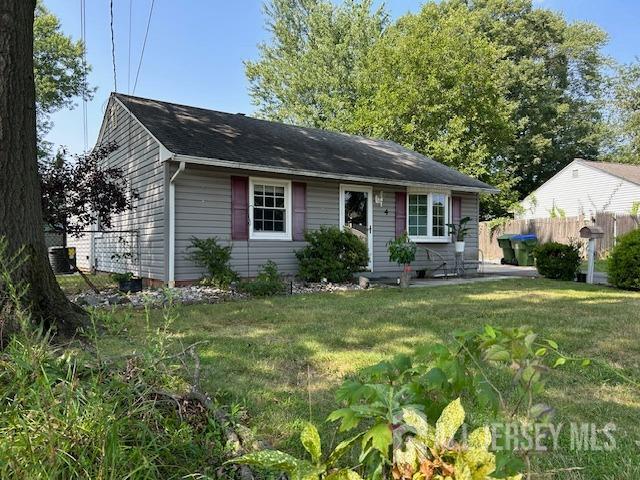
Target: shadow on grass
[{"x": 286, "y": 356}]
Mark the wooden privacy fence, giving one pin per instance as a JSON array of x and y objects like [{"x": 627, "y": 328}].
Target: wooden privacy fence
[{"x": 563, "y": 230}]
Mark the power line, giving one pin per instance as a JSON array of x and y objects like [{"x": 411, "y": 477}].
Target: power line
[
  {"x": 113, "y": 48},
  {"x": 144, "y": 44},
  {"x": 83, "y": 38}
]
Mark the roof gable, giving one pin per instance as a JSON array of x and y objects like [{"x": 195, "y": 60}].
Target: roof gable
[
  {"x": 210, "y": 134},
  {"x": 625, "y": 171}
]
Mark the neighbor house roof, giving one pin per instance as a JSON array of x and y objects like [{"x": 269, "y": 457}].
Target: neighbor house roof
[
  {"x": 628, "y": 172},
  {"x": 260, "y": 144}
]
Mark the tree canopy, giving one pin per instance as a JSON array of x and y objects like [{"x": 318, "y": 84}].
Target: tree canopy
[
  {"x": 500, "y": 89},
  {"x": 625, "y": 121},
  {"x": 59, "y": 70},
  {"x": 308, "y": 74},
  {"x": 80, "y": 194}
]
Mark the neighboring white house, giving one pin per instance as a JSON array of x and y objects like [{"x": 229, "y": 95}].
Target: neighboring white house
[{"x": 584, "y": 188}]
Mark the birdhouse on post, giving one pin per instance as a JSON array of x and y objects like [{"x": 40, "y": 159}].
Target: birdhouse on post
[{"x": 591, "y": 232}]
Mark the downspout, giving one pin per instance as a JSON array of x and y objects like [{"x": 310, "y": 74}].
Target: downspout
[{"x": 172, "y": 225}]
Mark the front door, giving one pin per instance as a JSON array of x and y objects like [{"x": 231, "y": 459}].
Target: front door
[{"x": 356, "y": 214}]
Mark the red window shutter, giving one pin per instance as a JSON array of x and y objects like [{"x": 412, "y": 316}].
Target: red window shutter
[
  {"x": 401, "y": 213},
  {"x": 456, "y": 209},
  {"x": 299, "y": 197},
  {"x": 239, "y": 208}
]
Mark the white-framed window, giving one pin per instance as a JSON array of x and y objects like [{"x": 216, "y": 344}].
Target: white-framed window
[
  {"x": 269, "y": 209},
  {"x": 427, "y": 216}
]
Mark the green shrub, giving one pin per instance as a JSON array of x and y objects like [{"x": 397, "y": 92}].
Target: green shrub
[
  {"x": 122, "y": 277},
  {"x": 207, "y": 253},
  {"x": 268, "y": 282},
  {"x": 557, "y": 260},
  {"x": 402, "y": 250},
  {"x": 332, "y": 254},
  {"x": 624, "y": 262}
]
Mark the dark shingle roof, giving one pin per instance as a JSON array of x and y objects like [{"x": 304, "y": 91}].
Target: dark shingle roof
[
  {"x": 626, "y": 171},
  {"x": 198, "y": 132}
]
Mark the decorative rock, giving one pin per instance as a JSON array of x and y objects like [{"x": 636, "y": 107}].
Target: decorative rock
[
  {"x": 117, "y": 300},
  {"x": 364, "y": 282},
  {"x": 198, "y": 294},
  {"x": 93, "y": 300}
]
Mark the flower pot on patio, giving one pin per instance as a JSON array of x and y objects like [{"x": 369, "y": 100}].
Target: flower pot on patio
[
  {"x": 127, "y": 282},
  {"x": 460, "y": 247},
  {"x": 405, "y": 279},
  {"x": 130, "y": 286},
  {"x": 403, "y": 252}
]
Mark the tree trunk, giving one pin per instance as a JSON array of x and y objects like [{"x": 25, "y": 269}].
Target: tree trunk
[{"x": 20, "y": 209}]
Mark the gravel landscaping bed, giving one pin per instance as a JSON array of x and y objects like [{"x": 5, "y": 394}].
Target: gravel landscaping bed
[{"x": 190, "y": 295}]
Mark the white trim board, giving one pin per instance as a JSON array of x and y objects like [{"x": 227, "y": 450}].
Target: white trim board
[
  {"x": 287, "y": 234},
  {"x": 214, "y": 162}
]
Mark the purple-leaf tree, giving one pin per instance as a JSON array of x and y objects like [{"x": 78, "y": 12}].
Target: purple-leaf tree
[{"x": 78, "y": 195}]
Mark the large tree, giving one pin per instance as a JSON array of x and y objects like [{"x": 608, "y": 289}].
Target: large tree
[
  {"x": 20, "y": 209},
  {"x": 556, "y": 80},
  {"x": 497, "y": 88},
  {"x": 625, "y": 115},
  {"x": 59, "y": 68},
  {"x": 436, "y": 86},
  {"x": 308, "y": 74}
]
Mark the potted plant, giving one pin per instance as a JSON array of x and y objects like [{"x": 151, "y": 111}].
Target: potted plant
[
  {"x": 459, "y": 232},
  {"x": 403, "y": 252},
  {"x": 127, "y": 282}
]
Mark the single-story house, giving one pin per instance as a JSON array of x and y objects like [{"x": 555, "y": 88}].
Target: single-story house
[
  {"x": 584, "y": 188},
  {"x": 259, "y": 185}
]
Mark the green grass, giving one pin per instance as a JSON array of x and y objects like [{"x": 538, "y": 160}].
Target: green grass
[
  {"x": 284, "y": 357},
  {"x": 74, "y": 284},
  {"x": 600, "y": 266}
]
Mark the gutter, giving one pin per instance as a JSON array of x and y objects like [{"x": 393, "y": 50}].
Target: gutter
[
  {"x": 172, "y": 224},
  {"x": 216, "y": 162}
]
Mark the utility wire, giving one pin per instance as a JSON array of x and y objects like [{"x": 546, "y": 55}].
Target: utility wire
[
  {"x": 113, "y": 48},
  {"x": 83, "y": 38},
  {"x": 144, "y": 44}
]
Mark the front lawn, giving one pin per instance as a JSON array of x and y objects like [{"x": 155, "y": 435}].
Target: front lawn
[
  {"x": 599, "y": 266},
  {"x": 73, "y": 284},
  {"x": 284, "y": 357}
]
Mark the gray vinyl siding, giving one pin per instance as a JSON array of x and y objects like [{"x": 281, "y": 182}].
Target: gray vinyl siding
[
  {"x": 384, "y": 231},
  {"x": 138, "y": 156},
  {"x": 203, "y": 209}
]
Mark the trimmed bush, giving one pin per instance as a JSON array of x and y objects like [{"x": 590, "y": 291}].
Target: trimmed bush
[
  {"x": 624, "y": 262},
  {"x": 332, "y": 254},
  {"x": 268, "y": 282},
  {"x": 557, "y": 261},
  {"x": 208, "y": 254}
]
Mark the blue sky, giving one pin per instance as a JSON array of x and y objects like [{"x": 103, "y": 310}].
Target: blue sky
[{"x": 195, "y": 49}]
